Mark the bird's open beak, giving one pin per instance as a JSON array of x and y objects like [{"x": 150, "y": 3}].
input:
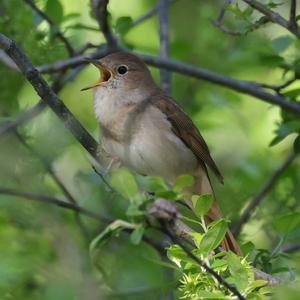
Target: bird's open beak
[{"x": 105, "y": 74}]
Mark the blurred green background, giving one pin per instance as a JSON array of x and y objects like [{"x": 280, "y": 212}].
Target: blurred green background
[{"x": 43, "y": 253}]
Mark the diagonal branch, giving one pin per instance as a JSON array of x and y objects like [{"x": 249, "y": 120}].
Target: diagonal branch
[
  {"x": 165, "y": 75},
  {"x": 47, "y": 94},
  {"x": 100, "y": 9},
  {"x": 259, "y": 197},
  {"x": 274, "y": 16},
  {"x": 51, "y": 23}
]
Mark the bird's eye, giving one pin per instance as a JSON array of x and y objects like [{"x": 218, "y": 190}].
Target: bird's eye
[{"x": 122, "y": 70}]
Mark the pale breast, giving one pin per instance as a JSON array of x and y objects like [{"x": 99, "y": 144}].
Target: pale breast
[{"x": 155, "y": 150}]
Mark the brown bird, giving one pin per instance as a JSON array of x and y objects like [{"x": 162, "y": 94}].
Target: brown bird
[{"x": 147, "y": 131}]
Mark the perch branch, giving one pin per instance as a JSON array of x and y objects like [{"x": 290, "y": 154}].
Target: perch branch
[{"x": 246, "y": 87}]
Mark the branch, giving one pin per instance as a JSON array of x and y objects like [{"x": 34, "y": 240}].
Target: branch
[
  {"x": 23, "y": 118},
  {"x": 8, "y": 61},
  {"x": 219, "y": 19},
  {"x": 166, "y": 212},
  {"x": 37, "y": 109},
  {"x": 165, "y": 76},
  {"x": 100, "y": 9},
  {"x": 293, "y": 21},
  {"x": 47, "y": 94},
  {"x": 201, "y": 263},
  {"x": 76, "y": 208},
  {"x": 259, "y": 197},
  {"x": 149, "y": 14},
  {"x": 54, "y": 201},
  {"x": 273, "y": 16},
  {"x": 291, "y": 248},
  {"x": 51, "y": 23},
  {"x": 246, "y": 87},
  {"x": 48, "y": 167}
]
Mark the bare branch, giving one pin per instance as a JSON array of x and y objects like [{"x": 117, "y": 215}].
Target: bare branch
[
  {"x": 246, "y": 87},
  {"x": 259, "y": 197},
  {"x": 165, "y": 75},
  {"x": 273, "y": 16},
  {"x": 100, "y": 9},
  {"x": 55, "y": 201},
  {"x": 47, "y": 94},
  {"x": 51, "y": 23},
  {"x": 292, "y": 21}
]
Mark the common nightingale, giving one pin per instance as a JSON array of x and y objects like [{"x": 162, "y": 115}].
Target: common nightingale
[{"x": 148, "y": 132}]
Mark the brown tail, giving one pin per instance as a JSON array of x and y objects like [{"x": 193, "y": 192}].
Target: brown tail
[{"x": 203, "y": 186}]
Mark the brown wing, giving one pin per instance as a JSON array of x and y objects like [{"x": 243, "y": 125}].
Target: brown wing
[{"x": 185, "y": 129}]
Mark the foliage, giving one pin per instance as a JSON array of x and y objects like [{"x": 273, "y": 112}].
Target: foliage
[{"x": 45, "y": 254}]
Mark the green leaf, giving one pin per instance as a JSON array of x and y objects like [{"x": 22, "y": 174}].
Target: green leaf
[
  {"x": 297, "y": 144},
  {"x": 294, "y": 93},
  {"x": 111, "y": 230},
  {"x": 281, "y": 44},
  {"x": 152, "y": 184},
  {"x": 237, "y": 270},
  {"x": 213, "y": 237},
  {"x": 136, "y": 235},
  {"x": 202, "y": 203},
  {"x": 211, "y": 295},
  {"x": 134, "y": 211},
  {"x": 287, "y": 223},
  {"x": 124, "y": 183},
  {"x": 182, "y": 182},
  {"x": 55, "y": 10},
  {"x": 123, "y": 25}
]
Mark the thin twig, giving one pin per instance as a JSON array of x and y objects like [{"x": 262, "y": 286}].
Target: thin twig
[
  {"x": 246, "y": 87},
  {"x": 273, "y": 16},
  {"x": 100, "y": 9},
  {"x": 47, "y": 94},
  {"x": 23, "y": 118},
  {"x": 165, "y": 75},
  {"x": 52, "y": 24},
  {"x": 55, "y": 201},
  {"x": 259, "y": 197},
  {"x": 278, "y": 88},
  {"x": 218, "y": 22},
  {"x": 48, "y": 167},
  {"x": 293, "y": 21}
]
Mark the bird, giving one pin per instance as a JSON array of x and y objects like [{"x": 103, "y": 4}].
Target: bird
[{"x": 148, "y": 132}]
